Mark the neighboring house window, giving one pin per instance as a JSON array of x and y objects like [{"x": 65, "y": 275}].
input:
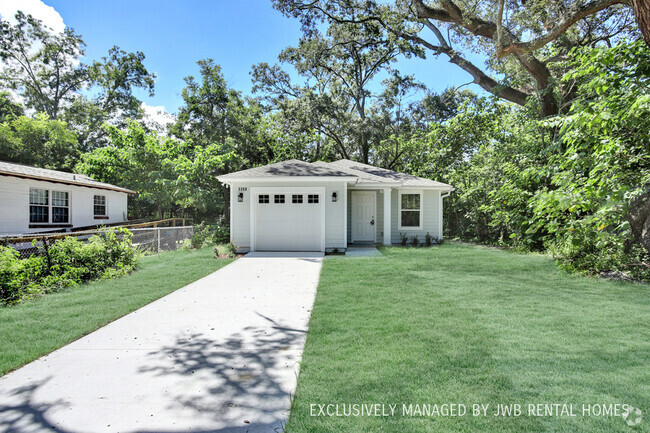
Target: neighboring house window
[
  {"x": 410, "y": 210},
  {"x": 99, "y": 205},
  {"x": 312, "y": 198},
  {"x": 279, "y": 198},
  {"x": 296, "y": 198},
  {"x": 47, "y": 207},
  {"x": 60, "y": 207},
  {"x": 39, "y": 210},
  {"x": 263, "y": 198}
]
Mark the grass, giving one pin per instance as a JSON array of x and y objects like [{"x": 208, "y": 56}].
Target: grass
[
  {"x": 470, "y": 325},
  {"x": 37, "y": 327}
]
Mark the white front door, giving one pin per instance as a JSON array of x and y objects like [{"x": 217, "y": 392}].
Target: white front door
[{"x": 363, "y": 216}]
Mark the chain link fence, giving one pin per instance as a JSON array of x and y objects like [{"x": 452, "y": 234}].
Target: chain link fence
[
  {"x": 151, "y": 240},
  {"x": 155, "y": 240}
]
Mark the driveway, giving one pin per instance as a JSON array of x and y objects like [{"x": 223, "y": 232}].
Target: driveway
[{"x": 219, "y": 355}]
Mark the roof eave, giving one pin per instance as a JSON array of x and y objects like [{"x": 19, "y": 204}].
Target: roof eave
[{"x": 107, "y": 187}]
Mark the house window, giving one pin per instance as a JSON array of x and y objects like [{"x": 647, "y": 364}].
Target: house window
[
  {"x": 39, "y": 210},
  {"x": 60, "y": 207},
  {"x": 48, "y": 207},
  {"x": 410, "y": 210},
  {"x": 263, "y": 198},
  {"x": 99, "y": 205},
  {"x": 278, "y": 198},
  {"x": 312, "y": 198},
  {"x": 296, "y": 198}
]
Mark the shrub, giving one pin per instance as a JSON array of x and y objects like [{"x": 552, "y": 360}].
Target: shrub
[
  {"x": 403, "y": 239},
  {"x": 221, "y": 233},
  {"x": 18, "y": 276},
  {"x": 202, "y": 236},
  {"x": 225, "y": 251},
  {"x": 428, "y": 239},
  {"x": 207, "y": 235},
  {"x": 65, "y": 263},
  {"x": 414, "y": 241}
]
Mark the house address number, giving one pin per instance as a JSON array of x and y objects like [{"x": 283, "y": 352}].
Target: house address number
[{"x": 242, "y": 188}]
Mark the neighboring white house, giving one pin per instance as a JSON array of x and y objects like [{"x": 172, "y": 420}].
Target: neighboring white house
[
  {"x": 35, "y": 199},
  {"x": 299, "y": 206}
]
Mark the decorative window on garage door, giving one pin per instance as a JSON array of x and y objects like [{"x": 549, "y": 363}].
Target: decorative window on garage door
[
  {"x": 312, "y": 198},
  {"x": 279, "y": 198},
  {"x": 296, "y": 198},
  {"x": 263, "y": 198}
]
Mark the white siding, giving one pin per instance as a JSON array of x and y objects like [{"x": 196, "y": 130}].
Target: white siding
[
  {"x": 334, "y": 211},
  {"x": 14, "y": 204}
]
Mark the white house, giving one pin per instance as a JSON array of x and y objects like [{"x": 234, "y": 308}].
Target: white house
[
  {"x": 34, "y": 200},
  {"x": 299, "y": 206}
]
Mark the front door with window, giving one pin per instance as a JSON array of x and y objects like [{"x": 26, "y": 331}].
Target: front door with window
[{"x": 364, "y": 212}]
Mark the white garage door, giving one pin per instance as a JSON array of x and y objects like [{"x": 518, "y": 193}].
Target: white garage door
[{"x": 288, "y": 221}]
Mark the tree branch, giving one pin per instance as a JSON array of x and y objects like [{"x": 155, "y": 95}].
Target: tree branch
[{"x": 510, "y": 45}]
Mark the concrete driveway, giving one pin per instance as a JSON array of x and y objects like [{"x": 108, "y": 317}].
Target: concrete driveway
[{"x": 219, "y": 355}]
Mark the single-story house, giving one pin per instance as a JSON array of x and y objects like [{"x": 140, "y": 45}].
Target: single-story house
[
  {"x": 35, "y": 200},
  {"x": 299, "y": 206}
]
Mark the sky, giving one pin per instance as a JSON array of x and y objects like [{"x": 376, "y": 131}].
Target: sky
[{"x": 174, "y": 35}]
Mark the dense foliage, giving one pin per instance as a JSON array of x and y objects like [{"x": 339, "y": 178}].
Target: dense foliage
[
  {"x": 65, "y": 263},
  {"x": 555, "y": 159}
]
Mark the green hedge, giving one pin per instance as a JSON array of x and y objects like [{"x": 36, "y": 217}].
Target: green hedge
[{"x": 65, "y": 263}]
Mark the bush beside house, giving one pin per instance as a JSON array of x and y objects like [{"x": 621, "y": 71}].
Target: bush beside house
[{"x": 65, "y": 263}]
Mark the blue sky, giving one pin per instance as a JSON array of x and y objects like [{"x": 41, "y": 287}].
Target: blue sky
[{"x": 175, "y": 34}]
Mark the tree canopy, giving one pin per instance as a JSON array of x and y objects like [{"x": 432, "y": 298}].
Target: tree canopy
[{"x": 553, "y": 156}]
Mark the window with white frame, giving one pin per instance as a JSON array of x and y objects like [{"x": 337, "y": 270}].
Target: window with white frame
[
  {"x": 39, "y": 206},
  {"x": 99, "y": 205},
  {"x": 60, "y": 207},
  {"x": 48, "y": 207},
  {"x": 410, "y": 210}
]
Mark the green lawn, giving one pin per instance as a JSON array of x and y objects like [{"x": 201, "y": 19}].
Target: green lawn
[
  {"x": 470, "y": 325},
  {"x": 37, "y": 327}
]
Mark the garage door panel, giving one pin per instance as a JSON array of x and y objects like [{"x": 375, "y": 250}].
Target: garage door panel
[{"x": 288, "y": 226}]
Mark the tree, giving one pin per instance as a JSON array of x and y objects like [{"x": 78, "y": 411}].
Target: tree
[
  {"x": 112, "y": 80},
  {"x": 44, "y": 68},
  {"x": 38, "y": 141},
  {"x": 642, "y": 15},
  {"x": 600, "y": 180},
  {"x": 532, "y": 67},
  {"x": 339, "y": 68},
  {"x": 9, "y": 109}
]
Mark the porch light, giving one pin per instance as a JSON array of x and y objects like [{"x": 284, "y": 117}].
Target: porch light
[
  {"x": 240, "y": 197},
  {"x": 334, "y": 196}
]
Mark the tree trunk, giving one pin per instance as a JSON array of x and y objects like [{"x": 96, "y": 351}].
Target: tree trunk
[
  {"x": 642, "y": 15},
  {"x": 639, "y": 219}
]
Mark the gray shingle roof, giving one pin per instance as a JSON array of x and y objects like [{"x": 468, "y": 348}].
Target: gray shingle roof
[
  {"x": 292, "y": 167},
  {"x": 364, "y": 173},
  {"x": 29, "y": 172},
  {"x": 375, "y": 174}
]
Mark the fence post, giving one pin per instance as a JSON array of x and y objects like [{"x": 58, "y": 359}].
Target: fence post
[
  {"x": 47, "y": 255},
  {"x": 158, "y": 236}
]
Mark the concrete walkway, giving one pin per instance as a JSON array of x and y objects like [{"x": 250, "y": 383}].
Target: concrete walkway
[
  {"x": 219, "y": 355},
  {"x": 365, "y": 251}
]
